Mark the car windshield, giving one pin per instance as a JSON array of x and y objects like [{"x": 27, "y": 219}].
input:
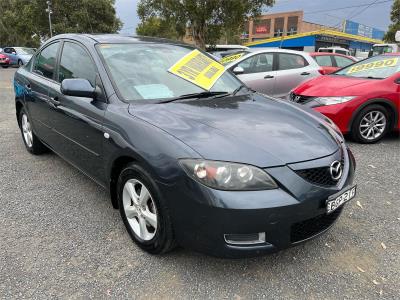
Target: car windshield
[
  {"x": 140, "y": 71},
  {"x": 377, "y": 67},
  {"x": 25, "y": 51}
]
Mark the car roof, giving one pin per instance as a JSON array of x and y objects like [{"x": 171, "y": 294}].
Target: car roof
[
  {"x": 114, "y": 38},
  {"x": 328, "y": 54},
  {"x": 264, "y": 50}
]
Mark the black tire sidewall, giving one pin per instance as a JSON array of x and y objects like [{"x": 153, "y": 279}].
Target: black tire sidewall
[
  {"x": 356, "y": 124},
  {"x": 163, "y": 237}
]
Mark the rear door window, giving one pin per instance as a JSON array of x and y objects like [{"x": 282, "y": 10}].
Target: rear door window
[
  {"x": 324, "y": 60},
  {"x": 342, "y": 62},
  {"x": 46, "y": 61}
]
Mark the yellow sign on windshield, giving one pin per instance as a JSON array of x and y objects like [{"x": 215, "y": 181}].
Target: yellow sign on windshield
[
  {"x": 199, "y": 69},
  {"x": 384, "y": 63},
  {"x": 230, "y": 58}
]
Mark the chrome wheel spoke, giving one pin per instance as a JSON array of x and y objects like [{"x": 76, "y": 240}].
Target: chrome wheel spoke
[
  {"x": 150, "y": 218},
  {"x": 144, "y": 196},
  {"x": 372, "y": 125},
  {"x": 132, "y": 192},
  {"x": 144, "y": 233},
  {"x": 130, "y": 211}
]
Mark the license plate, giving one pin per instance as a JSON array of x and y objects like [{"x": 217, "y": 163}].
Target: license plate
[{"x": 337, "y": 200}]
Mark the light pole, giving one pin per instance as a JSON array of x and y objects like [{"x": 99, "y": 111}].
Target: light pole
[{"x": 49, "y": 11}]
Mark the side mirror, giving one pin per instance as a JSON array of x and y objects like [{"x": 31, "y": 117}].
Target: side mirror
[
  {"x": 397, "y": 81},
  {"x": 77, "y": 87},
  {"x": 238, "y": 70}
]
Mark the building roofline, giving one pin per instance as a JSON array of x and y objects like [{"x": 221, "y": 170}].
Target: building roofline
[{"x": 317, "y": 32}]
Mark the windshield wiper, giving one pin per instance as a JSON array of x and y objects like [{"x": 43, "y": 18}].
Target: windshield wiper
[
  {"x": 372, "y": 77},
  {"x": 206, "y": 94},
  {"x": 238, "y": 89}
]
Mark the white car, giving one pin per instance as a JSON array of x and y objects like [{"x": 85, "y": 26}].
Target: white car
[{"x": 274, "y": 72}]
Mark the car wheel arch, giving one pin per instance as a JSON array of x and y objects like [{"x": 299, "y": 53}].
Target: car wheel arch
[{"x": 387, "y": 104}]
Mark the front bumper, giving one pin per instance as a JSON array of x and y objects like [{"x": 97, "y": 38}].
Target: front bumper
[{"x": 289, "y": 215}]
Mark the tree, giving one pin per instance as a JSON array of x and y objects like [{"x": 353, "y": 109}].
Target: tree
[
  {"x": 26, "y": 23},
  {"x": 395, "y": 18},
  {"x": 207, "y": 20},
  {"x": 155, "y": 26}
]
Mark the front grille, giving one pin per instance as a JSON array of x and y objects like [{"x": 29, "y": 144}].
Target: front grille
[
  {"x": 320, "y": 176},
  {"x": 299, "y": 98},
  {"x": 306, "y": 229}
]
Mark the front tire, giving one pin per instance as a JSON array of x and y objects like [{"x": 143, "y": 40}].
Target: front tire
[
  {"x": 4, "y": 67},
  {"x": 371, "y": 124},
  {"x": 143, "y": 211},
  {"x": 32, "y": 143}
]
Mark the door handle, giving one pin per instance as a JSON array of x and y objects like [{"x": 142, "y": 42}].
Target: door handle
[
  {"x": 268, "y": 76},
  {"x": 28, "y": 87},
  {"x": 305, "y": 73},
  {"x": 54, "y": 101}
]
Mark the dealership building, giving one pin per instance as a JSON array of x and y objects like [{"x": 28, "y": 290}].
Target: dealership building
[{"x": 289, "y": 31}]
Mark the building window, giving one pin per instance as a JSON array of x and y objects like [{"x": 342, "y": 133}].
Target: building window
[
  {"x": 292, "y": 25},
  {"x": 279, "y": 24}
]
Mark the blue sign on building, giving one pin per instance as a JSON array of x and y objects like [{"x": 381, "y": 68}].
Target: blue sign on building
[{"x": 363, "y": 30}]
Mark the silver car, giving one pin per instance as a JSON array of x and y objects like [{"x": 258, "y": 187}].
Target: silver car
[{"x": 274, "y": 72}]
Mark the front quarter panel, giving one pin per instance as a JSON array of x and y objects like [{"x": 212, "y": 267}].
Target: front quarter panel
[{"x": 153, "y": 148}]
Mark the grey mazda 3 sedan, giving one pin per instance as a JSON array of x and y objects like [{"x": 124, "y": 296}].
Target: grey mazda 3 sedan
[{"x": 189, "y": 155}]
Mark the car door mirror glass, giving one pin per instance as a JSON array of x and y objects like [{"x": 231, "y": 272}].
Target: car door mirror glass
[
  {"x": 238, "y": 70},
  {"x": 77, "y": 87}
]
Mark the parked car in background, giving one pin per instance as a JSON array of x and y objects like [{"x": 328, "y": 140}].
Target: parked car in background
[
  {"x": 220, "y": 51},
  {"x": 362, "y": 99},
  {"x": 274, "y": 71},
  {"x": 19, "y": 55},
  {"x": 331, "y": 62},
  {"x": 337, "y": 50},
  {"x": 4, "y": 60},
  {"x": 189, "y": 155}
]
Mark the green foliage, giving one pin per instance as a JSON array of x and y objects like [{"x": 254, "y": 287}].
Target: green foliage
[
  {"x": 26, "y": 23},
  {"x": 395, "y": 26},
  {"x": 207, "y": 20},
  {"x": 155, "y": 26}
]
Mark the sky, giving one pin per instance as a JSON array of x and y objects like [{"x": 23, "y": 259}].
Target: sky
[{"x": 317, "y": 11}]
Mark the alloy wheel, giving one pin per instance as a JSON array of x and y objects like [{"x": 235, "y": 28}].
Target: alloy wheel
[
  {"x": 27, "y": 130},
  {"x": 372, "y": 125},
  {"x": 140, "y": 209}
]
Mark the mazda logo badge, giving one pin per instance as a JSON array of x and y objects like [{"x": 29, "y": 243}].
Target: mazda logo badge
[{"x": 336, "y": 170}]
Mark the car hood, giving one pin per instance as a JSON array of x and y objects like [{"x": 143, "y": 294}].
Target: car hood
[
  {"x": 335, "y": 85},
  {"x": 250, "y": 129}
]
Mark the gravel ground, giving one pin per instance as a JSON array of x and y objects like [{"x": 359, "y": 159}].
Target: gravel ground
[{"x": 60, "y": 238}]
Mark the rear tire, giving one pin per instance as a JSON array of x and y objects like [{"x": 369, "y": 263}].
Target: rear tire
[
  {"x": 4, "y": 67},
  {"x": 31, "y": 141},
  {"x": 371, "y": 124},
  {"x": 144, "y": 211}
]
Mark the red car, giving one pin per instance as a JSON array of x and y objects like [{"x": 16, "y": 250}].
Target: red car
[
  {"x": 362, "y": 99},
  {"x": 4, "y": 60},
  {"x": 331, "y": 62}
]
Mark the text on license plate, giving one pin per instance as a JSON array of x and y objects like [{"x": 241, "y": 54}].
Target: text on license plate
[{"x": 333, "y": 204}]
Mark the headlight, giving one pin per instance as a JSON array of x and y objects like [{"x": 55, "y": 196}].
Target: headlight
[
  {"x": 333, "y": 100},
  {"x": 228, "y": 176}
]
